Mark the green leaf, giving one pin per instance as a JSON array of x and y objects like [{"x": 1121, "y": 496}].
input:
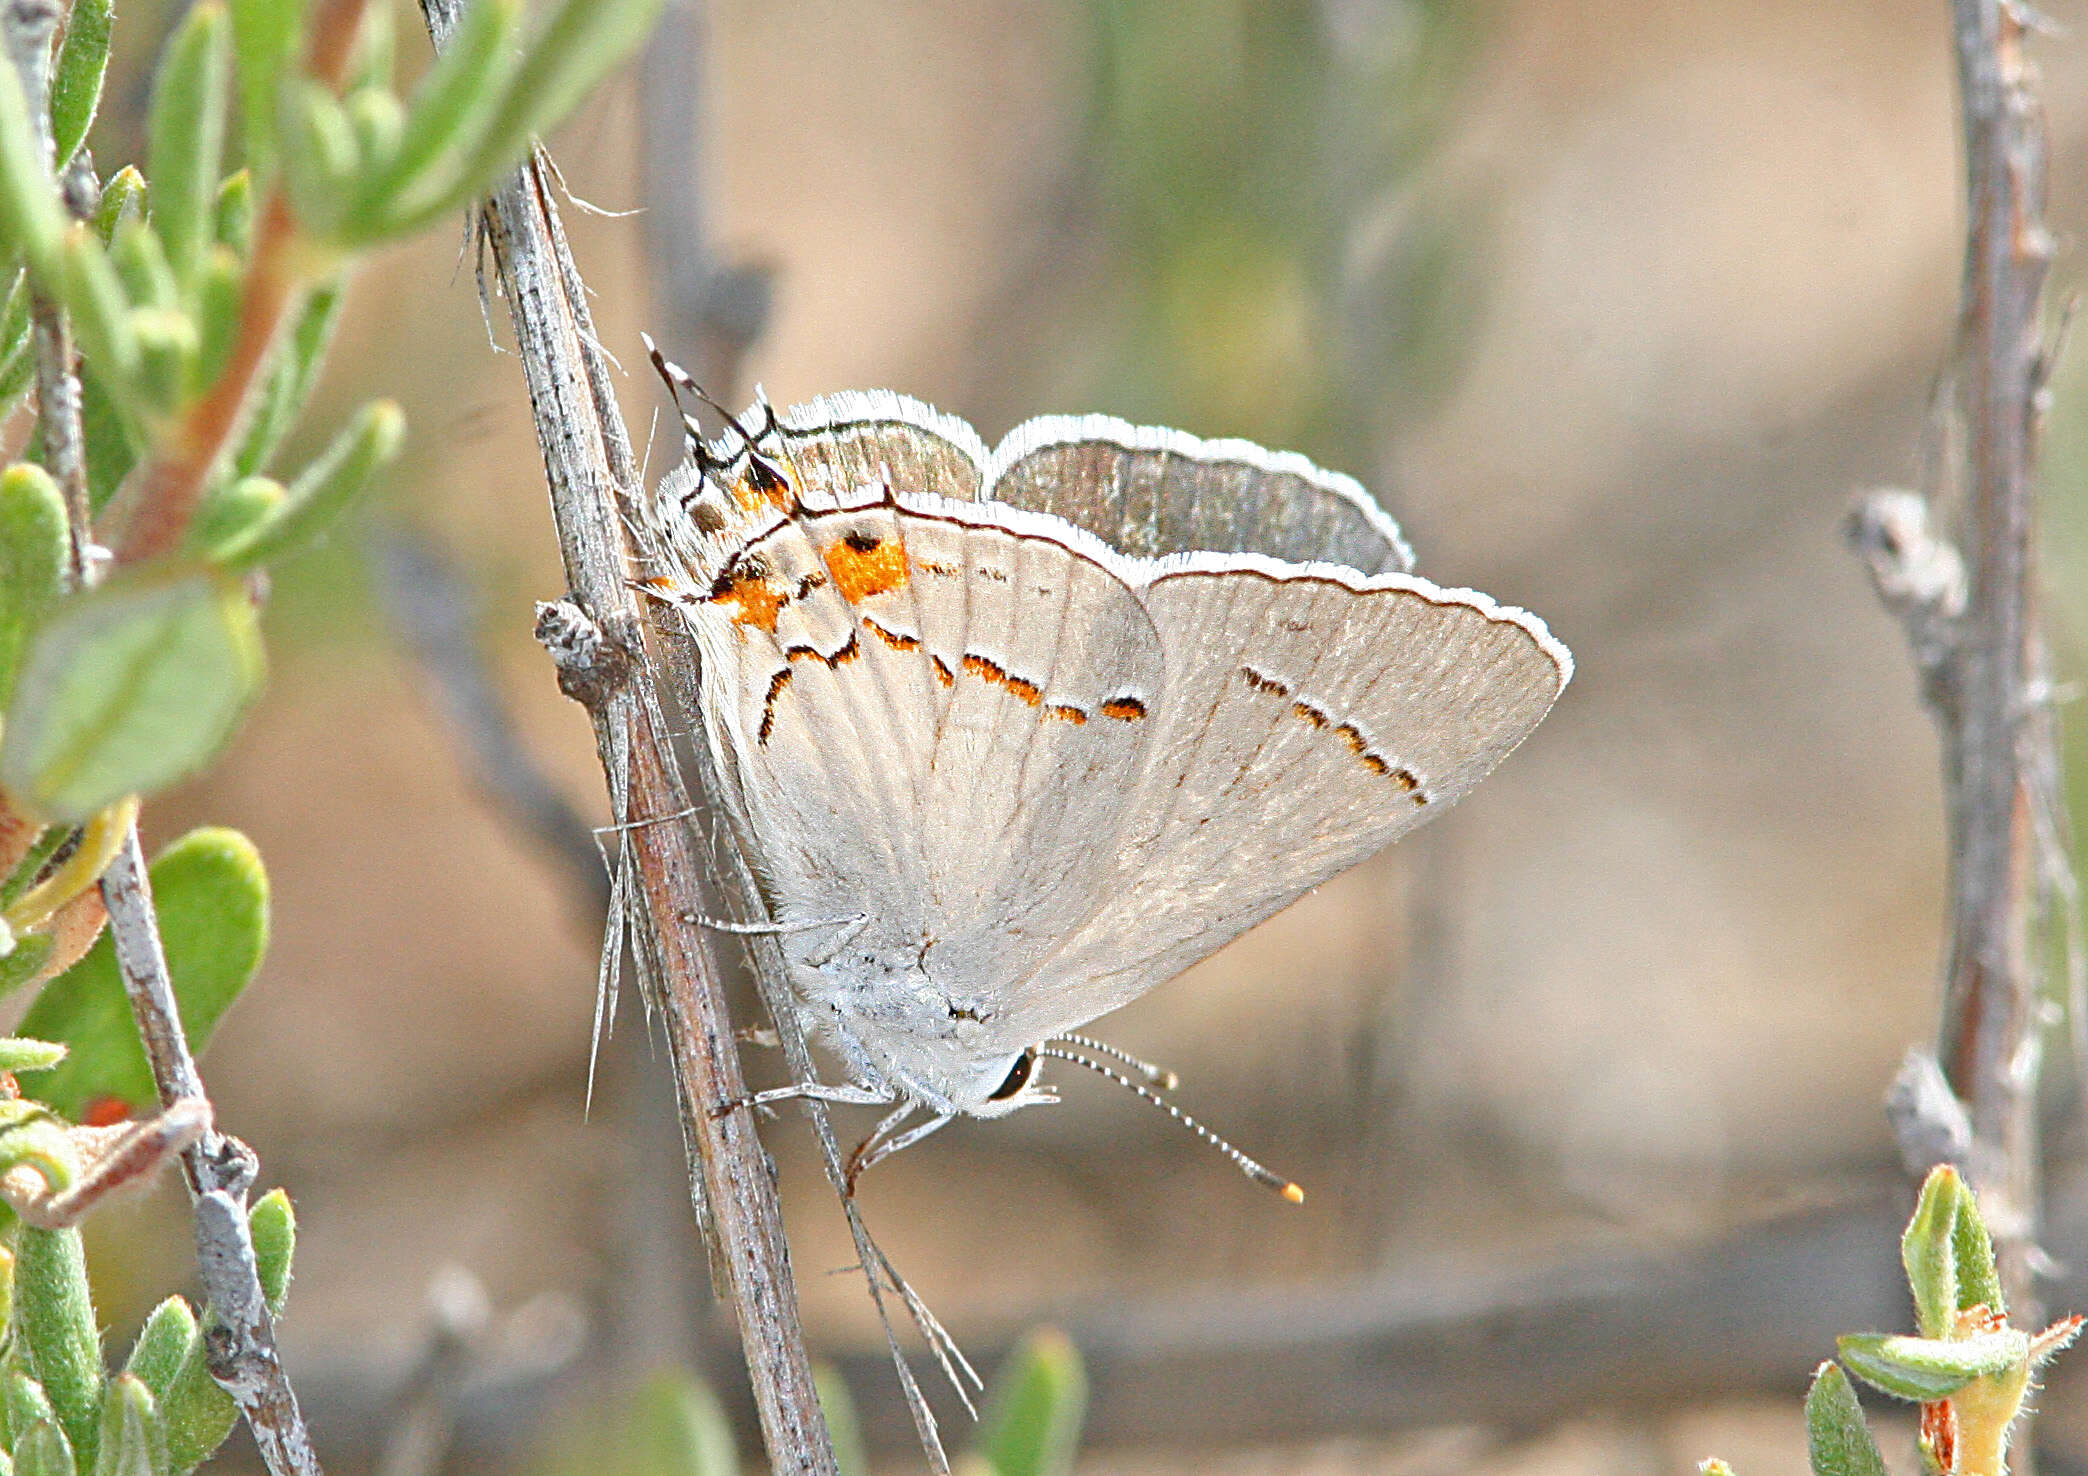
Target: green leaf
[
  {"x": 218, "y": 308},
  {"x": 273, "y": 1225},
  {"x": 844, "y": 1430},
  {"x": 141, "y": 265},
  {"x": 1930, "y": 1368},
  {"x": 580, "y": 44},
  {"x": 76, "y": 81},
  {"x": 55, "y": 1328},
  {"x": 1928, "y": 1251},
  {"x": 100, "y": 311},
  {"x": 187, "y": 133},
  {"x": 378, "y": 120},
  {"x": 327, "y": 486},
  {"x": 17, "y": 1053},
  {"x": 33, "y": 554},
  {"x": 127, "y": 688},
  {"x": 123, "y": 198},
  {"x": 112, "y": 442},
  {"x": 25, "y": 874},
  {"x": 290, "y": 378},
  {"x": 43, "y": 1450},
  {"x": 133, "y": 1437},
  {"x": 198, "y": 1413},
  {"x": 17, "y": 350},
  {"x": 267, "y": 36},
  {"x": 24, "y": 1398},
  {"x": 1031, "y": 1426},
  {"x": 1840, "y": 1440},
  {"x": 32, "y": 222},
  {"x": 320, "y": 157},
  {"x": 453, "y": 103},
  {"x": 670, "y": 1425},
  {"x": 235, "y": 213},
  {"x": 234, "y": 511},
  {"x": 164, "y": 1344},
  {"x": 1978, "y": 1278},
  {"x": 212, "y": 896},
  {"x": 30, "y": 1137},
  {"x": 26, "y": 961}
]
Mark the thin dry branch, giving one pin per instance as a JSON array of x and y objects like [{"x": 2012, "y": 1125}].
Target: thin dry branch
[
  {"x": 240, "y": 1339},
  {"x": 1969, "y": 610},
  {"x": 593, "y": 476}
]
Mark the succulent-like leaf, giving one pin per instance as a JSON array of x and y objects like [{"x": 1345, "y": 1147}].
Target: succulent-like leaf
[
  {"x": 1931, "y": 1368},
  {"x": 235, "y": 213},
  {"x": 291, "y": 375},
  {"x": 164, "y": 1343},
  {"x": 26, "y": 961},
  {"x": 32, "y": 222},
  {"x": 55, "y": 1328},
  {"x": 17, "y": 349},
  {"x": 127, "y": 688},
  {"x": 379, "y": 119},
  {"x": 320, "y": 156},
  {"x": 218, "y": 308},
  {"x": 123, "y": 197},
  {"x": 113, "y": 445},
  {"x": 141, "y": 265},
  {"x": 76, "y": 80},
  {"x": 272, "y": 1223},
  {"x": 133, "y": 1436},
  {"x": 22, "y": 1398},
  {"x": 1031, "y": 1426},
  {"x": 1840, "y": 1441},
  {"x": 670, "y": 1425},
  {"x": 1978, "y": 1277},
  {"x": 1928, "y": 1251},
  {"x": 266, "y": 38},
  {"x": 454, "y": 101},
  {"x": 33, "y": 554},
  {"x": 212, "y": 897},
  {"x": 43, "y": 1450},
  {"x": 234, "y": 511},
  {"x": 578, "y": 45},
  {"x": 100, "y": 311},
  {"x": 18, "y": 1053},
  {"x": 327, "y": 486},
  {"x": 190, "y": 98}
]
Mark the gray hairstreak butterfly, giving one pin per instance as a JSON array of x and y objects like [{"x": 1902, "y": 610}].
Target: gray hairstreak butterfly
[{"x": 1010, "y": 737}]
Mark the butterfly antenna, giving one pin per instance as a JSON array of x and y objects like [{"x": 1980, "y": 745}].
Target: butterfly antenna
[
  {"x": 678, "y": 382},
  {"x": 1155, "y": 1076},
  {"x": 1241, "y": 1161}
]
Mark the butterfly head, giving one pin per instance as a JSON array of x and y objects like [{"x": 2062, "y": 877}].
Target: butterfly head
[{"x": 1016, "y": 1086}]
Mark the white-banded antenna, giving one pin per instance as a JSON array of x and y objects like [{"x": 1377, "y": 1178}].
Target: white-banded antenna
[
  {"x": 1156, "y": 1076},
  {"x": 1241, "y": 1161}
]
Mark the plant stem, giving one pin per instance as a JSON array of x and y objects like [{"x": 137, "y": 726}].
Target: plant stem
[
  {"x": 159, "y": 500},
  {"x": 241, "y": 1335},
  {"x": 26, "y": 30},
  {"x": 592, "y": 474},
  {"x": 1997, "y": 731}
]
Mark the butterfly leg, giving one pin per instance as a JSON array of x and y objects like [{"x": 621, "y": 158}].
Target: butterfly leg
[
  {"x": 871, "y": 1151},
  {"x": 847, "y": 1096}
]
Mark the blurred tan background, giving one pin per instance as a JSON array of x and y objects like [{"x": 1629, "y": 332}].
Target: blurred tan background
[{"x": 1614, "y": 306}]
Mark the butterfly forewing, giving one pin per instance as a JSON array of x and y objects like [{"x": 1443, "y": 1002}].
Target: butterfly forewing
[{"x": 1150, "y": 493}]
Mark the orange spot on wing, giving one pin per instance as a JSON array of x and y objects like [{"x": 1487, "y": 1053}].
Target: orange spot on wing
[
  {"x": 762, "y": 485},
  {"x": 980, "y": 666},
  {"x": 759, "y": 602},
  {"x": 1027, "y": 690},
  {"x": 943, "y": 673},
  {"x": 1066, "y": 714},
  {"x": 864, "y": 565},
  {"x": 1317, "y": 718},
  {"x": 1124, "y": 709},
  {"x": 892, "y": 638}
]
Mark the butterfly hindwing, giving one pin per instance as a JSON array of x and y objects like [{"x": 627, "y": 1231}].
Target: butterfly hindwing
[{"x": 1280, "y": 760}]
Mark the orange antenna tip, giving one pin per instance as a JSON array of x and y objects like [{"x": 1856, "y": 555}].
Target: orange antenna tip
[{"x": 1293, "y": 1193}]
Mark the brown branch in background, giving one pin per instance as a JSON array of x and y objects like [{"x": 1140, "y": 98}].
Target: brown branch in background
[
  {"x": 1970, "y": 615},
  {"x": 592, "y": 476},
  {"x": 240, "y": 1338},
  {"x": 710, "y": 314},
  {"x": 158, "y": 501}
]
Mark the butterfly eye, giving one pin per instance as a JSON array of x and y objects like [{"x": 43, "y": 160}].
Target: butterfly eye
[{"x": 1018, "y": 1077}]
